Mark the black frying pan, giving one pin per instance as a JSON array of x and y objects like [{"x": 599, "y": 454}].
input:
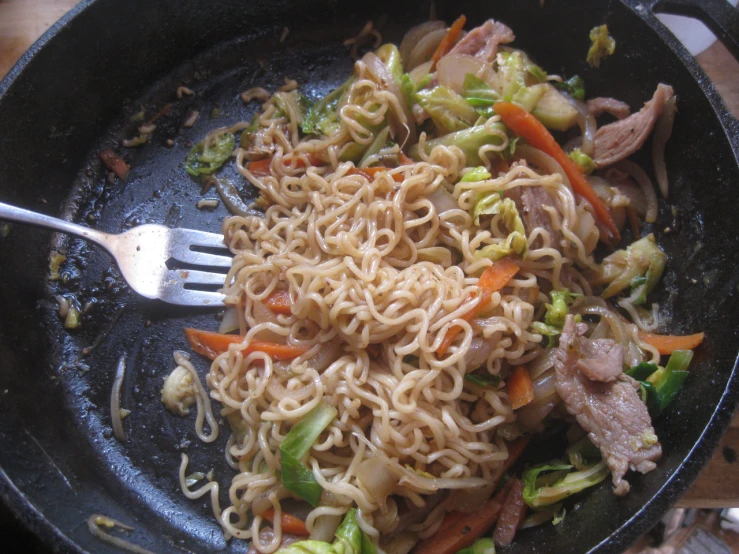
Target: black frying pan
[{"x": 73, "y": 94}]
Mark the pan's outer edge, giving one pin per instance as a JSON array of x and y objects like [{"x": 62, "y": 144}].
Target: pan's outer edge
[{"x": 686, "y": 473}]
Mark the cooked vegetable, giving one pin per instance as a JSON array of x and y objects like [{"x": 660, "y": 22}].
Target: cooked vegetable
[
  {"x": 322, "y": 115},
  {"x": 560, "y": 307},
  {"x": 448, "y": 110},
  {"x": 261, "y": 168},
  {"x": 527, "y": 126},
  {"x": 574, "y": 86},
  {"x": 279, "y": 302},
  {"x": 114, "y": 163},
  {"x": 480, "y": 546},
  {"x": 529, "y": 97},
  {"x": 602, "y": 45},
  {"x": 483, "y": 379},
  {"x": 640, "y": 266},
  {"x": 667, "y": 344},
  {"x": 458, "y": 532},
  {"x": 492, "y": 280},
  {"x": 520, "y": 387},
  {"x": 512, "y": 74},
  {"x": 449, "y": 40},
  {"x": 209, "y": 154},
  {"x": 538, "y": 491},
  {"x": 583, "y": 160},
  {"x": 390, "y": 56},
  {"x": 469, "y": 141},
  {"x": 515, "y": 242},
  {"x": 667, "y": 381},
  {"x": 297, "y": 478},
  {"x": 290, "y": 524},
  {"x": 211, "y": 345},
  {"x": 350, "y": 539},
  {"x": 479, "y": 95}
]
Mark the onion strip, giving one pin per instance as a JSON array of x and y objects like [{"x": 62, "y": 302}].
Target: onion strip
[{"x": 662, "y": 132}]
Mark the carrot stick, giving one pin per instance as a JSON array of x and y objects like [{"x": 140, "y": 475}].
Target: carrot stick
[
  {"x": 211, "y": 344},
  {"x": 527, "y": 126},
  {"x": 290, "y": 524},
  {"x": 114, "y": 163},
  {"x": 667, "y": 344},
  {"x": 260, "y": 168},
  {"x": 370, "y": 173},
  {"x": 404, "y": 160},
  {"x": 493, "y": 279},
  {"x": 458, "y": 532},
  {"x": 515, "y": 449},
  {"x": 520, "y": 387},
  {"x": 448, "y": 42},
  {"x": 279, "y": 302}
]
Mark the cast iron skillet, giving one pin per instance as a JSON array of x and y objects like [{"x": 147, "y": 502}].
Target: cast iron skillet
[{"x": 73, "y": 94}]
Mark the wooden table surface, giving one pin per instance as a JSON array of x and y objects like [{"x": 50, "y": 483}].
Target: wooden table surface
[{"x": 23, "y": 21}]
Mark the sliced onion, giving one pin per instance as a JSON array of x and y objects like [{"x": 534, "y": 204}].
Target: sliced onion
[
  {"x": 230, "y": 321},
  {"x": 426, "y": 48},
  {"x": 279, "y": 391},
  {"x": 418, "y": 74},
  {"x": 541, "y": 160},
  {"x": 463, "y": 500},
  {"x": 413, "y": 36},
  {"x": 662, "y": 132},
  {"x": 587, "y": 124},
  {"x": 544, "y": 385},
  {"x": 262, "y": 314},
  {"x": 405, "y": 131},
  {"x": 328, "y": 354},
  {"x": 231, "y": 198},
  {"x": 325, "y": 527},
  {"x": 437, "y": 254},
  {"x": 531, "y": 415},
  {"x": 453, "y": 68},
  {"x": 377, "y": 477},
  {"x": 603, "y": 190},
  {"x": 443, "y": 200},
  {"x": 628, "y": 188},
  {"x": 478, "y": 353},
  {"x": 646, "y": 185},
  {"x": 542, "y": 363}
]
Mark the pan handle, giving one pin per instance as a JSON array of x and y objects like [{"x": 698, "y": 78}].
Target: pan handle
[{"x": 718, "y": 15}]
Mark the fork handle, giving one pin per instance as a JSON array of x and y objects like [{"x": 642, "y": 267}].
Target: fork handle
[{"x": 19, "y": 215}]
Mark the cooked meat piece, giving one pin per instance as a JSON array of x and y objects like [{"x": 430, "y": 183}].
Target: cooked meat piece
[
  {"x": 482, "y": 42},
  {"x": 603, "y": 360},
  {"x": 511, "y": 516},
  {"x": 616, "y": 108},
  {"x": 620, "y": 139},
  {"x": 616, "y": 419},
  {"x": 266, "y": 535},
  {"x": 530, "y": 202}
]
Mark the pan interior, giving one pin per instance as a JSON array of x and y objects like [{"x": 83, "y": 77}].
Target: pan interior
[{"x": 64, "y": 458}]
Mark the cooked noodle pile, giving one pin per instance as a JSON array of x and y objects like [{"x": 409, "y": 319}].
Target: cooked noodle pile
[{"x": 379, "y": 267}]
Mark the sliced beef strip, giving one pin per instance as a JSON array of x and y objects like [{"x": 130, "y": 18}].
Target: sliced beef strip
[
  {"x": 602, "y": 360},
  {"x": 620, "y": 139},
  {"x": 600, "y": 105},
  {"x": 530, "y": 202},
  {"x": 267, "y": 534},
  {"x": 482, "y": 42},
  {"x": 615, "y": 418}
]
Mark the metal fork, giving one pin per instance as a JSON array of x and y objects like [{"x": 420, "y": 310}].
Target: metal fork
[{"x": 142, "y": 254}]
